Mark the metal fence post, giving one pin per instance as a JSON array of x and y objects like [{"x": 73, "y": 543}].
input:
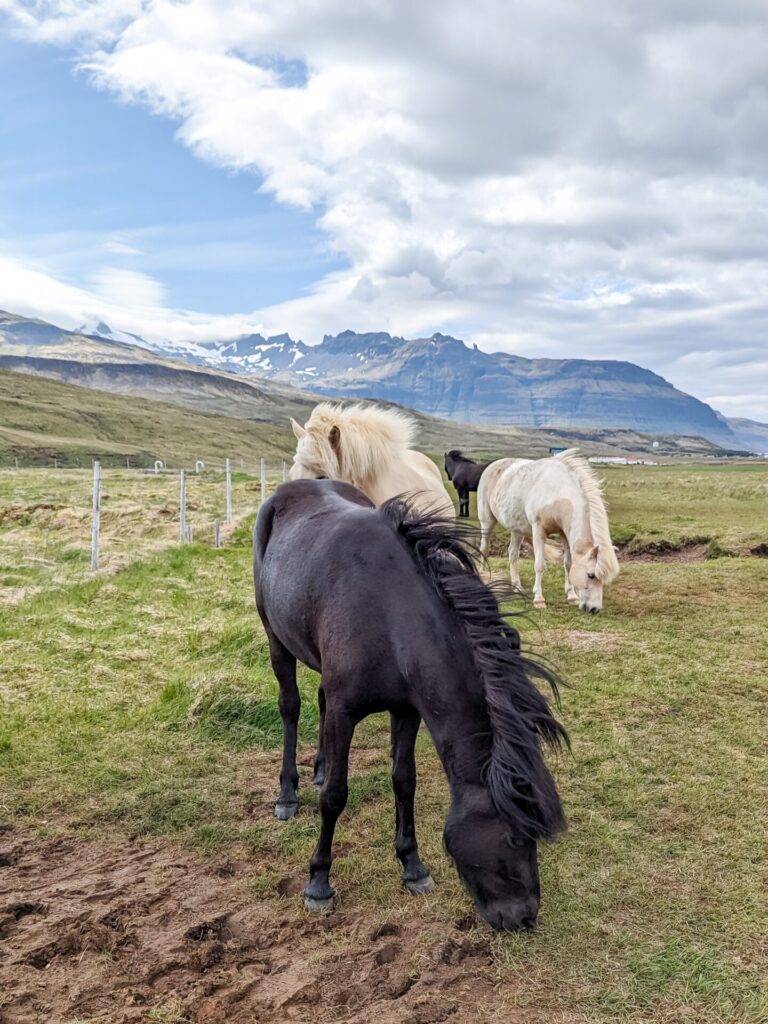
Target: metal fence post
[
  {"x": 229, "y": 492},
  {"x": 96, "y": 522},
  {"x": 285, "y": 470},
  {"x": 182, "y": 507},
  {"x": 263, "y": 481}
]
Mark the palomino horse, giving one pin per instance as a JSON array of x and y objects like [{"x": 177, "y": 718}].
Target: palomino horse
[
  {"x": 368, "y": 446},
  {"x": 465, "y": 475},
  {"x": 559, "y": 496},
  {"x": 387, "y": 604}
]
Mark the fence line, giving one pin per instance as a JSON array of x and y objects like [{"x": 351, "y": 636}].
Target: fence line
[{"x": 278, "y": 474}]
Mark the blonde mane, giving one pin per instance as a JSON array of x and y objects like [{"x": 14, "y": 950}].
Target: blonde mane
[
  {"x": 607, "y": 567},
  {"x": 371, "y": 437}
]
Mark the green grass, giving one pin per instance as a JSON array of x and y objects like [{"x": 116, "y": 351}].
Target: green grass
[
  {"x": 674, "y": 504},
  {"x": 144, "y": 701}
]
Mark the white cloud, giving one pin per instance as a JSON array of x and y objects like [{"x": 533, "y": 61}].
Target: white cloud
[
  {"x": 120, "y": 247},
  {"x": 545, "y": 177}
]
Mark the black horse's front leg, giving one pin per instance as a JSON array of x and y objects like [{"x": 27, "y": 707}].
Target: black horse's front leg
[
  {"x": 284, "y": 666},
  {"x": 405, "y": 726},
  {"x": 464, "y": 505},
  {"x": 338, "y": 729},
  {"x": 319, "y": 768}
]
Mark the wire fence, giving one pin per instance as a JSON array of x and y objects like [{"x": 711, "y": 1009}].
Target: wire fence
[{"x": 127, "y": 513}]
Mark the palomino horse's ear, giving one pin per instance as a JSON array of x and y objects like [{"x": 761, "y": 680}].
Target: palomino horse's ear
[
  {"x": 335, "y": 438},
  {"x": 298, "y": 430},
  {"x": 594, "y": 552}
]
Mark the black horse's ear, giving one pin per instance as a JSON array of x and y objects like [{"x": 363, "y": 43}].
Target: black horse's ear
[{"x": 335, "y": 438}]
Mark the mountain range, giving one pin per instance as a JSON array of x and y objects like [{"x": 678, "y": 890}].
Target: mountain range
[
  {"x": 443, "y": 376},
  {"x": 254, "y": 376}
]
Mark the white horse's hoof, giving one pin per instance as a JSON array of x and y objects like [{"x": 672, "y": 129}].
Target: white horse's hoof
[{"x": 539, "y": 602}]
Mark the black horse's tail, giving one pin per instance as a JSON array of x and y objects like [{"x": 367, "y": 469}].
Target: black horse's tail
[{"x": 519, "y": 781}]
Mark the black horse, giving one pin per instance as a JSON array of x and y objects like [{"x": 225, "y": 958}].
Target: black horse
[
  {"x": 465, "y": 475},
  {"x": 387, "y": 604}
]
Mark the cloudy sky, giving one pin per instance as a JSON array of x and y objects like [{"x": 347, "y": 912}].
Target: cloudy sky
[{"x": 543, "y": 177}]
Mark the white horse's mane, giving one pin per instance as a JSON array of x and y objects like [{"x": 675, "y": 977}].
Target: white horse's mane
[
  {"x": 607, "y": 567},
  {"x": 370, "y": 436}
]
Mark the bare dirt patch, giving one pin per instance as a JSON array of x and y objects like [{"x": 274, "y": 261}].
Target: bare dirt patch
[
  {"x": 584, "y": 640},
  {"x": 145, "y": 930},
  {"x": 664, "y": 551}
]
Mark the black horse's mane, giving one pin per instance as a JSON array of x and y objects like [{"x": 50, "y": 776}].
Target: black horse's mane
[
  {"x": 456, "y": 453},
  {"x": 521, "y": 786}
]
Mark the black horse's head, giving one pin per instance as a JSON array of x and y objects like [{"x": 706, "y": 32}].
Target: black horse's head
[
  {"x": 451, "y": 458},
  {"x": 500, "y": 871}
]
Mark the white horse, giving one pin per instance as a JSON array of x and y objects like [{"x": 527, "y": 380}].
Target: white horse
[
  {"x": 554, "y": 497},
  {"x": 368, "y": 446}
]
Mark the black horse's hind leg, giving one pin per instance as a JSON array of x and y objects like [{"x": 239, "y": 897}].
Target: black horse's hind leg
[
  {"x": 319, "y": 769},
  {"x": 284, "y": 666},
  {"x": 337, "y": 737},
  {"x": 463, "y": 504},
  {"x": 405, "y": 726}
]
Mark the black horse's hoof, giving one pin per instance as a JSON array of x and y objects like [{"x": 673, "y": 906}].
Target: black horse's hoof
[
  {"x": 318, "y": 780},
  {"x": 285, "y": 811},
  {"x": 318, "y": 906},
  {"x": 420, "y": 886}
]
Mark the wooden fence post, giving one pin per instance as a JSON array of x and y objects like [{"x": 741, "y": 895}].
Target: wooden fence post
[
  {"x": 96, "y": 522},
  {"x": 229, "y": 492},
  {"x": 217, "y": 533},
  {"x": 263, "y": 482},
  {"x": 285, "y": 470},
  {"x": 182, "y": 507}
]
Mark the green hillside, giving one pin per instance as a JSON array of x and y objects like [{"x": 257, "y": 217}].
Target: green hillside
[{"x": 43, "y": 420}]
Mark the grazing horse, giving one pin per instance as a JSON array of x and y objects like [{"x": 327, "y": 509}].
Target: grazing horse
[
  {"x": 387, "y": 604},
  {"x": 554, "y": 497},
  {"x": 368, "y": 446},
  {"x": 465, "y": 475}
]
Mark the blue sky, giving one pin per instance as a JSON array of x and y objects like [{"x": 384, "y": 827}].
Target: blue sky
[
  {"x": 81, "y": 171},
  {"x": 541, "y": 178}
]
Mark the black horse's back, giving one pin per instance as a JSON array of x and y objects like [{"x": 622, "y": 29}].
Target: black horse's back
[{"x": 341, "y": 590}]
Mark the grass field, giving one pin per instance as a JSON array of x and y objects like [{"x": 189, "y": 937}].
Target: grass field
[{"x": 141, "y": 702}]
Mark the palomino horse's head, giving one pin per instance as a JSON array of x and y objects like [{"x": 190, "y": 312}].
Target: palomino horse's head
[
  {"x": 317, "y": 452},
  {"x": 586, "y": 578},
  {"x": 500, "y": 872}
]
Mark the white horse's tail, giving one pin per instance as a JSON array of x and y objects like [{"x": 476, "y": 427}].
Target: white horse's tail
[{"x": 554, "y": 552}]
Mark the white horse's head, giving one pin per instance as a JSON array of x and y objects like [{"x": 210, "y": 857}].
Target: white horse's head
[
  {"x": 317, "y": 452},
  {"x": 587, "y": 575}
]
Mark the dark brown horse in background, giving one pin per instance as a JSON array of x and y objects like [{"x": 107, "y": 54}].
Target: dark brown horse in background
[
  {"x": 465, "y": 475},
  {"x": 387, "y": 604}
]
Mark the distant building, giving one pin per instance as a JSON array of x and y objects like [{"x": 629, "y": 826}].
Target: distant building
[{"x": 619, "y": 460}]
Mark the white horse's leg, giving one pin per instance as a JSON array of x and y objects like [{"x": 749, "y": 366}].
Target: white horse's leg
[
  {"x": 515, "y": 540},
  {"x": 571, "y": 595},
  {"x": 487, "y": 523},
  {"x": 539, "y": 563}
]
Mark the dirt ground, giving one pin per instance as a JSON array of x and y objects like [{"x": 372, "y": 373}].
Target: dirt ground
[{"x": 144, "y": 930}]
